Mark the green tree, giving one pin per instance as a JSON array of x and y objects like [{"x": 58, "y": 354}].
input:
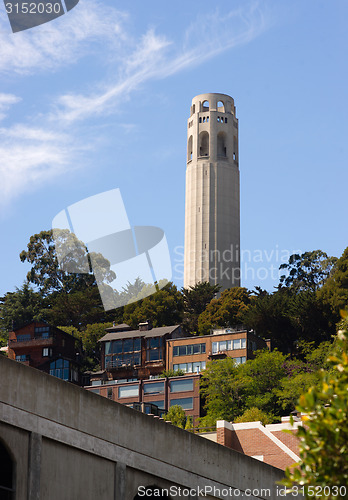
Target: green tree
[
  {"x": 69, "y": 297},
  {"x": 227, "y": 310},
  {"x": 176, "y": 415},
  {"x": 18, "y": 308},
  {"x": 262, "y": 378},
  {"x": 255, "y": 415},
  {"x": 196, "y": 299},
  {"x": 223, "y": 391},
  {"x": 46, "y": 273},
  {"x": 324, "y": 438},
  {"x": 163, "y": 308},
  {"x": 335, "y": 290},
  {"x": 308, "y": 271},
  {"x": 287, "y": 317},
  {"x": 269, "y": 316},
  {"x": 293, "y": 387}
]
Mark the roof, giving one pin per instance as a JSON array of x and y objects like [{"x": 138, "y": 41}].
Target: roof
[{"x": 154, "y": 332}]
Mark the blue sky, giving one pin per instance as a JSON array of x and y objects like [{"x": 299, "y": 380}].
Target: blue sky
[{"x": 98, "y": 99}]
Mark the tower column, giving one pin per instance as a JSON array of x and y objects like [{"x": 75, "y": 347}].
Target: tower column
[{"x": 212, "y": 214}]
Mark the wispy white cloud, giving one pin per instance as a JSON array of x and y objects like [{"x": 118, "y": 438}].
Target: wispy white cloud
[
  {"x": 6, "y": 101},
  {"x": 156, "y": 57},
  {"x": 62, "y": 41},
  {"x": 31, "y": 155}
]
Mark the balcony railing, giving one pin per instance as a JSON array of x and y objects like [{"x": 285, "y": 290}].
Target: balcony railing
[
  {"x": 37, "y": 339},
  {"x": 112, "y": 365}
]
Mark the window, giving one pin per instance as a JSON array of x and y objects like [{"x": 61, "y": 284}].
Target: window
[
  {"x": 109, "y": 393},
  {"x": 204, "y": 144},
  {"x": 160, "y": 403},
  {"x": 22, "y": 357},
  {"x": 181, "y": 385},
  {"x": 205, "y": 105},
  {"x": 154, "y": 349},
  {"x": 46, "y": 352},
  {"x": 240, "y": 360},
  {"x": 228, "y": 345},
  {"x": 188, "y": 350},
  {"x": 130, "y": 391},
  {"x": 221, "y": 144},
  {"x": 42, "y": 332},
  {"x": 154, "y": 388},
  {"x": 190, "y": 148},
  {"x": 96, "y": 391},
  {"x": 237, "y": 344},
  {"x": 122, "y": 353},
  {"x": 220, "y": 106},
  {"x": 23, "y": 337},
  {"x": 96, "y": 382},
  {"x": 185, "y": 403},
  {"x": 60, "y": 369}
]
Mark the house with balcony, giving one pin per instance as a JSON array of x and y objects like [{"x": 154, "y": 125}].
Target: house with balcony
[
  {"x": 191, "y": 354},
  {"x": 46, "y": 348},
  {"x": 128, "y": 354}
]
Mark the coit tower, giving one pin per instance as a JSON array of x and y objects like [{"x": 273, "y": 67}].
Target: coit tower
[{"x": 212, "y": 215}]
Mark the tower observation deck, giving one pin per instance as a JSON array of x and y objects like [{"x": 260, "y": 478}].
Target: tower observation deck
[{"x": 212, "y": 214}]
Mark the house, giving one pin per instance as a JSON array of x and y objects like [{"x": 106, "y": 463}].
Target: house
[
  {"x": 46, "y": 348},
  {"x": 191, "y": 354},
  {"x": 129, "y": 355},
  {"x": 133, "y": 362},
  {"x": 161, "y": 392}
]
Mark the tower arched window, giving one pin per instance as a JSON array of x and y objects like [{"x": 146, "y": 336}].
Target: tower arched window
[
  {"x": 204, "y": 144},
  {"x": 190, "y": 148},
  {"x": 205, "y": 106},
  {"x": 221, "y": 144},
  {"x": 220, "y": 106},
  {"x": 235, "y": 148},
  {"x": 6, "y": 474}
]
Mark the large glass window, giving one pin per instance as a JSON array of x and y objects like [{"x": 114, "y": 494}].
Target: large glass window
[
  {"x": 160, "y": 403},
  {"x": 22, "y": 357},
  {"x": 23, "y": 337},
  {"x": 122, "y": 353},
  {"x": 228, "y": 345},
  {"x": 60, "y": 369},
  {"x": 188, "y": 350},
  {"x": 181, "y": 385},
  {"x": 130, "y": 391},
  {"x": 154, "y": 349},
  {"x": 195, "y": 367},
  {"x": 185, "y": 403},
  {"x": 153, "y": 388},
  {"x": 42, "y": 331}
]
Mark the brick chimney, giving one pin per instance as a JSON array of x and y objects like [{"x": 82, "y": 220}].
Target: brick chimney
[{"x": 147, "y": 325}]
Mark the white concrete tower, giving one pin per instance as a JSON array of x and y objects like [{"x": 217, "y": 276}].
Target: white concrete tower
[{"x": 212, "y": 216}]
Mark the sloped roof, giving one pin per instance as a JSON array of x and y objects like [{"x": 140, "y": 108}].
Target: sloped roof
[{"x": 154, "y": 332}]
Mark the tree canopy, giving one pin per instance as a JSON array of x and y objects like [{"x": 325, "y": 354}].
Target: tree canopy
[
  {"x": 196, "y": 298},
  {"x": 308, "y": 271},
  {"x": 324, "y": 437},
  {"x": 227, "y": 310}
]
